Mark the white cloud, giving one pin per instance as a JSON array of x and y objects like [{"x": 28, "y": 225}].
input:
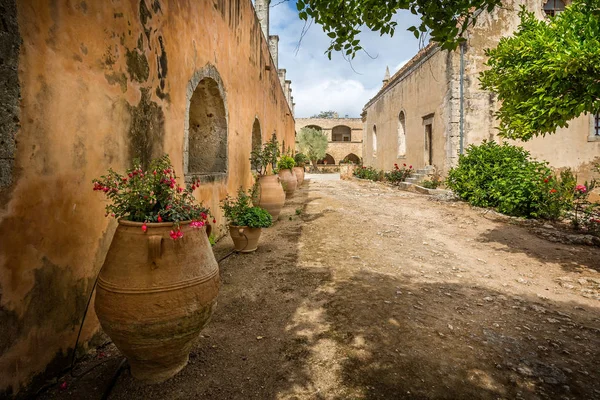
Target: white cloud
[{"x": 320, "y": 84}]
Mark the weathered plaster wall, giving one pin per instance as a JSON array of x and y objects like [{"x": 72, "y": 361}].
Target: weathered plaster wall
[
  {"x": 420, "y": 92},
  {"x": 101, "y": 83},
  {"x": 338, "y": 150}
]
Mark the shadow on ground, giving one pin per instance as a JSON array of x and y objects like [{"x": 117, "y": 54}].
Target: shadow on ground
[{"x": 570, "y": 257}]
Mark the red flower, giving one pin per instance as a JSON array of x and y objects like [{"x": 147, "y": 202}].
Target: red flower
[
  {"x": 159, "y": 219},
  {"x": 410, "y": 167},
  {"x": 404, "y": 164},
  {"x": 546, "y": 180},
  {"x": 214, "y": 220},
  {"x": 63, "y": 386},
  {"x": 552, "y": 190},
  {"x": 176, "y": 235},
  {"x": 144, "y": 227}
]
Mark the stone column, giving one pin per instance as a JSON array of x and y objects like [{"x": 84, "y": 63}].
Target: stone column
[
  {"x": 262, "y": 12},
  {"x": 281, "y": 74},
  {"x": 274, "y": 49},
  {"x": 286, "y": 90}
]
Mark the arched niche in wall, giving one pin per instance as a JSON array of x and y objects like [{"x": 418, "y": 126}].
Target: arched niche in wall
[
  {"x": 256, "y": 135},
  {"x": 401, "y": 134},
  {"x": 205, "y": 137},
  {"x": 317, "y": 127},
  {"x": 341, "y": 133}
]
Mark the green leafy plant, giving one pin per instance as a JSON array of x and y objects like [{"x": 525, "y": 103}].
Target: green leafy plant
[
  {"x": 506, "y": 178},
  {"x": 286, "y": 162},
  {"x": 546, "y": 74},
  {"x": 399, "y": 174},
  {"x": 301, "y": 159},
  {"x": 369, "y": 173},
  {"x": 431, "y": 183},
  {"x": 153, "y": 195},
  {"x": 313, "y": 143},
  {"x": 240, "y": 211},
  {"x": 267, "y": 155},
  {"x": 585, "y": 214}
]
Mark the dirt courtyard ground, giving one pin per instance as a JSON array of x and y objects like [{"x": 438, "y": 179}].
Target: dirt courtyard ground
[{"x": 362, "y": 291}]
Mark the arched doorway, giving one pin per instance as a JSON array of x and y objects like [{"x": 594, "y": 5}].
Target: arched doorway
[
  {"x": 352, "y": 158},
  {"x": 256, "y": 135},
  {"x": 401, "y": 134},
  {"x": 328, "y": 160}
]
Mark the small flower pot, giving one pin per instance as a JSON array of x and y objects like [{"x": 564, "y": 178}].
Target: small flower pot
[
  {"x": 155, "y": 295},
  {"x": 270, "y": 195},
  {"x": 288, "y": 181},
  {"x": 299, "y": 173},
  {"x": 245, "y": 240}
]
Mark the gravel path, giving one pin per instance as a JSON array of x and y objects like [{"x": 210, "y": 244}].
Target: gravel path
[{"x": 362, "y": 291}]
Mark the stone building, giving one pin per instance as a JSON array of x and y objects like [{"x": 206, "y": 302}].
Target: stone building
[
  {"x": 345, "y": 137},
  {"x": 90, "y": 85},
  {"x": 429, "y": 111}
]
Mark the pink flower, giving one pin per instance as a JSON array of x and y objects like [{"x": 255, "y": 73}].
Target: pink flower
[
  {"x": 144, "y": 227},
  {"x": 63, "y": 386},
  {"x": 203, "y": 215},
  {"x": 197, "y": 224},
  {"x": 168, "y": 207},
  {"x": 581, "y": 188},
  {"x": 176, "y": 235},
  {"x": 159, "y": 219},
  {"x": 179, "y": 189},
  {"x": 153, "y": 172}
]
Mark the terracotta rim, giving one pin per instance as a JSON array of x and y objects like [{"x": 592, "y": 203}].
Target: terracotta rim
[{"x": 152, "y": 224}]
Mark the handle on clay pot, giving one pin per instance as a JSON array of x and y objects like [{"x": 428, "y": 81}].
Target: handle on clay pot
[{"x": 155, "y": 248}]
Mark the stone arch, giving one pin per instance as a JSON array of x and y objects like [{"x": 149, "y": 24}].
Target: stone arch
[
  {"x": 256, "y": 135},
  {"x": 341, "y": 133},
  {"x": 401, "y": 134},
  {"x": 352, "y": 158},
  {"x": 330, "y": 160},
  {"x": 374, "y": 140},
  {"x": 205, "y": 136}
]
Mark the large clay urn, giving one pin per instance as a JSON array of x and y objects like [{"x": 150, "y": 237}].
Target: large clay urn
[
  {"x": 288, "y": 181},
  {"x": 245, "y": 239},
  {"x": 299, "y": 172},
  {"x": 270, "y": 195},
  {"x": 155, "y": 295}
]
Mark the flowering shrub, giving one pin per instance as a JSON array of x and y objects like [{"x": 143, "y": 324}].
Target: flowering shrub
[
  {"x": 240, "y": 211},
  {"x": 399, "y": 174},
  {"x": 585, "y": 215},
  {"x": 368, "y": 173},
  {"x": 152, "y": 196},
  {"x": 505, "y": 177}
]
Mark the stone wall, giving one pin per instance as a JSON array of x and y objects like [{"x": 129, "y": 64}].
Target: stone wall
[
  {"x": 338, "y": 150},
  {"x": 431, "y": 84},
  {"x": 101, "y": 83}
]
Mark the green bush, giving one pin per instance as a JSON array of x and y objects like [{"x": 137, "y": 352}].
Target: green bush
[
  {"x": 286, "y": 162},
  {"x": 240, "y": 212},
  {"x": 431, "y": 183},
  {"x": 301, "y": 159},
  {"x": 506, "y": 178},
  {"x": 368, "y": 173}
]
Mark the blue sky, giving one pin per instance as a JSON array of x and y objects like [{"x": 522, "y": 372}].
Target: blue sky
[{"x": 320, "y": 84}]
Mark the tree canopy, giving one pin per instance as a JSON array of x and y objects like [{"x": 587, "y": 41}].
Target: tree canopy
[
  {"x": 326, "y": 114},
  {"x": 342, "y": 20},
  {"x": 548, "y": 72},
  {"x": 313, "y": 143}
]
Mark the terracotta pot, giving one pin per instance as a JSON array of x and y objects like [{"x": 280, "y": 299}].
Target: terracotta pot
[
  {"x": 299, "y": 172},
  {"x": 155, "y": 295},
  {"x": 245, "y": 240},
  {"x": 288, "y": 181},
  {"x": 270, "y": 195}
]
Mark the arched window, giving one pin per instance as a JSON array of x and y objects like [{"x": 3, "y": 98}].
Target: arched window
[
  {"x": 401, "y": 134},
  {"x": 374, "y": 140},
  {"x": 341, "y": 133},
  {"x": 317, "y": 127},
  {"x": 205, "y": 153},
  {"x": 256, "y": 135},
  {"x": 554, "y": 7}
]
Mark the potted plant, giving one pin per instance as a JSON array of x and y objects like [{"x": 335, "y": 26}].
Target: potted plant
[
  {"x": 245, "y": 221},
  {"x": 288, "y": 179},
  {"x": 269, "y": 193},
  {"x": 298, "y": 170},
  {"x": 159, "y": 282}
]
